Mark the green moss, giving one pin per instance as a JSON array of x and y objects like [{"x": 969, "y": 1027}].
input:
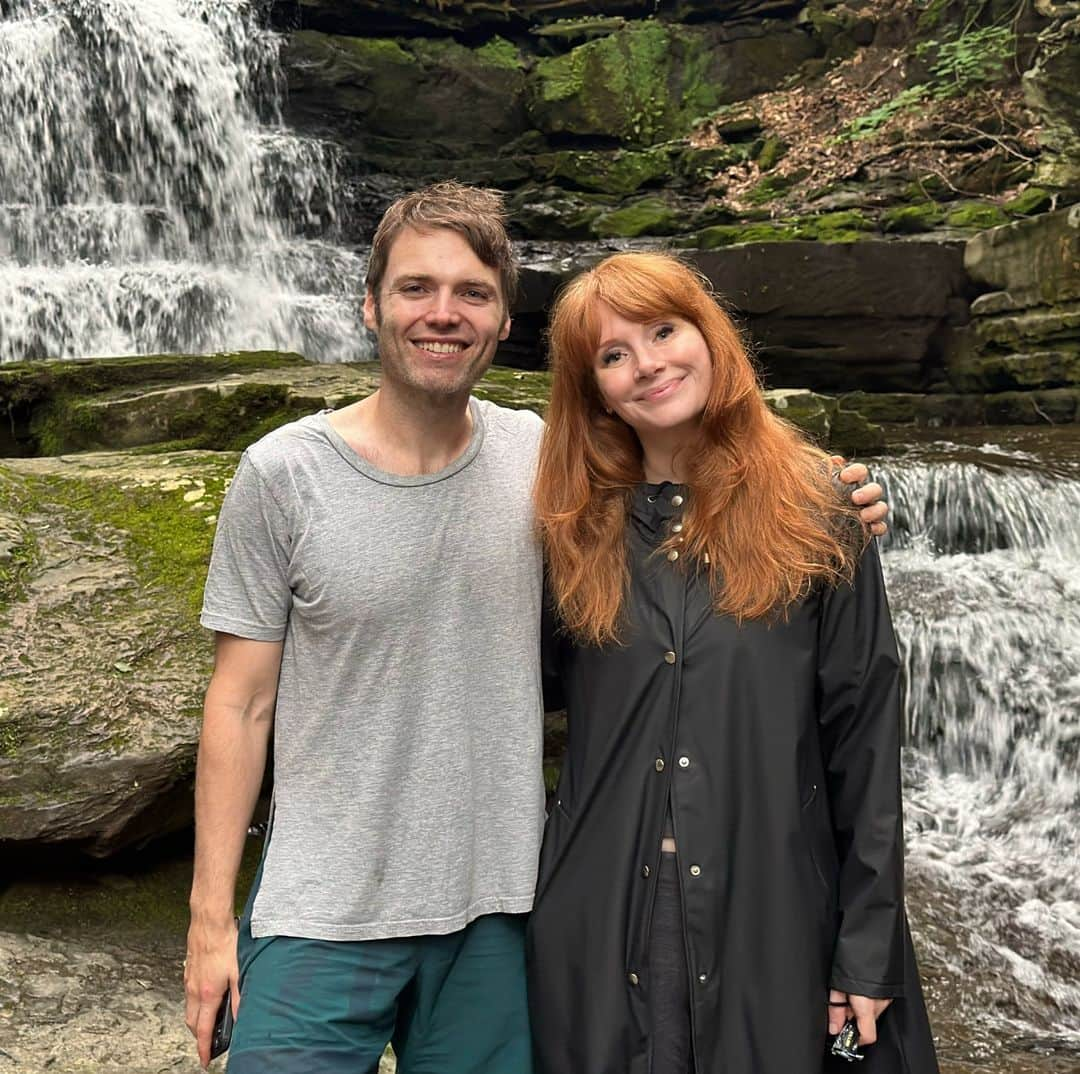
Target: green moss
[
  {"x": 1028, "y": 202},
  {"x": 773, "y": 186},
  {"x": 911, "y": 219},
  {"x": 644, "y": 84},
  {"x": 976, "y": 215},
  {"x": 772, "y": 152},
  {"x": 368, "y": 50},
  {"x": 648, "y": 216},
  {"x": 612, "y": 172},
  {"x": 849, "y": 226},
  {"x": 498, "y": 52},
  {"x": 168, "y": 542}
]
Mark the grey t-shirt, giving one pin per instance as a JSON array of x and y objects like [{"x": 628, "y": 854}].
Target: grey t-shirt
[{"x": 408, "y": 796}]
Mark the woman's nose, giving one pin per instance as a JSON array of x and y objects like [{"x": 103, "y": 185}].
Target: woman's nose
[{"x": 647, "y": 365}]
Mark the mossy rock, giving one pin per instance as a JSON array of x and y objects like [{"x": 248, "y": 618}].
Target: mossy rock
[
  {"x": 771, "y": 153},
  {"x": 849, "y": 226},
  {"x": 647, "y": 216},
  {"x": 422, "y": 97},
  {"x": 616, "y": 172},
  {"x": 1004, "y": 372},
  {"x": 38, "y": 396},
  {"x": 912, "y": 219},
  {"x": 553, "y": 213},
  {"x": 649, "y": 81},
  {"x": 774, "y": 186},
  {"x": 1029, "y": 202},
  {"x": 699, "y": 166},
  {"x": 975, "y": 216},
  {"x": 890, "y": 408}
]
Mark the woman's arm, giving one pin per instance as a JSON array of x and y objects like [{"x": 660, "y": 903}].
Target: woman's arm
[{"x": 859, "y": 716}]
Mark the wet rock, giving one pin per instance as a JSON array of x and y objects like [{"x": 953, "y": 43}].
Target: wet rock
[
  {"x": 1037, "y": 261},
  {"x": 1052, "y": 89},
  {"x": 103, "y": 663},
  {"x": 648, "y": 81},
  {"x": 1025, "y": 333},
  {"x": 387, "y": 99}
]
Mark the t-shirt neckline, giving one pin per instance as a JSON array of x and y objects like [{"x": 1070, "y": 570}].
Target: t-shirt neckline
[{"x": 359, "y": 463}]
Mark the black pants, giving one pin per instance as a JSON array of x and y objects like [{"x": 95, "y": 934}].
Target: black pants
[{"x": 669, "y": 991}]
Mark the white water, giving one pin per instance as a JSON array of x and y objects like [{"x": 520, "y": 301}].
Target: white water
[
  {"x": 983, "y": 569},
  {"x": 151, "y": 199}
]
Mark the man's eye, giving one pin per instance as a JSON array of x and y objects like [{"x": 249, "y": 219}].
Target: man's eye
[
  {"x": 412, "y": 289},
  {"x": 477, "y": 296}
]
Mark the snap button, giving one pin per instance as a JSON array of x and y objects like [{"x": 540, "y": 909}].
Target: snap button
[
  {"x": 659, "y": 764},
  {"x": 695, "y": 870},
  {"x": 669, "y": 656},
  {"x": 632, "y": 978},
  {"x": 676, "y": 500},
  {"x": 645, "y": 871},
  {"x": 684, "y": 762},
  {"x": 673, "y": 555}
]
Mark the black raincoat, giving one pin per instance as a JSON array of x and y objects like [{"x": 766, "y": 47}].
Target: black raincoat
[{"x": 779, "y": 748}]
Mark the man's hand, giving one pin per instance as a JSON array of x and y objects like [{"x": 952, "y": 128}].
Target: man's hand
[
  {"x": 868, "y": 496},
  {"x": 864, "y": 1009},
  {"x": 209, "y": 969}
]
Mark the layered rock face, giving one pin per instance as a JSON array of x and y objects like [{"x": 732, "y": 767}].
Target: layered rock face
[
  {"x": 823, "y": 163},
  {"x": 1025, "y": 332}
]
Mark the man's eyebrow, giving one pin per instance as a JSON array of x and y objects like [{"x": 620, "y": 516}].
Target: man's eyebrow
[{"x": 419, "y": 277}]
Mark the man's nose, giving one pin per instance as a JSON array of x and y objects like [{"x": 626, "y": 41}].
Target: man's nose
[{"x": 443, "y": 309}]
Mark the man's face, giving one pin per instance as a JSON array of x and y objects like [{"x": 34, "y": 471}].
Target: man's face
[{"x": 440, "y": 313}]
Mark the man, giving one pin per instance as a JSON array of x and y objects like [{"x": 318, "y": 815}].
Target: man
[{"x": 376, "y": 592}]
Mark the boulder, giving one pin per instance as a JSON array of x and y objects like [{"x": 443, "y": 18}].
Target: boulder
[
  {"x": 1036, "y": 260},
  {"x": 104, "y": 664},
  {"x": 648, "y": 81},
  {"x": 1026, "y": 333},
  {"x": 1052, "y": 90},
  {"x": 422, "y": 98},
  {"x": 828, "y": 316}
]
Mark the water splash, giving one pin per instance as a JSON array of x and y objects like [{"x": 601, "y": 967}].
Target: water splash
[
  {"x": 983, "y": 568},
  {"x": 150, "y": 199}
]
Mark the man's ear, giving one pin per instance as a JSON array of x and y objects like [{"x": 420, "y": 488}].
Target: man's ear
[
  {"x": 371, "y": 312},
  {"x": 505, "y": 330}
]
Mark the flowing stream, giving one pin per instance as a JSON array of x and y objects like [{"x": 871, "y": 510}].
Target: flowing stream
[
  {"x": 151, "y": 199},
  {"x": 983, "y": 568}
]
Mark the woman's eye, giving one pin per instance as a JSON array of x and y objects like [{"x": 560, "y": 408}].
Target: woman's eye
[
  {"x": 612, "y": 358},
  {"x": 664, "y": 331}
]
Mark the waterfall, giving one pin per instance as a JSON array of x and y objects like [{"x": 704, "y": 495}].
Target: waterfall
[
  {"x": 983, "y": 570},
  {"x": 151, "y": 199}
]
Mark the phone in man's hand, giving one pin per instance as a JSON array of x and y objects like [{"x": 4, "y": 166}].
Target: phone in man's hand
[{"x": 223, "y": 1026}]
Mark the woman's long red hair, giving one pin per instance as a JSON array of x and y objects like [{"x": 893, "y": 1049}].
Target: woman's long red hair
[{"x": 764, "y": 519}]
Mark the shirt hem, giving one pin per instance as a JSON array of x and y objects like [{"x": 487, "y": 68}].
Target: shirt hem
[
  {"x": 251, "y": 631},
  {"x": 389, "y": 930}
]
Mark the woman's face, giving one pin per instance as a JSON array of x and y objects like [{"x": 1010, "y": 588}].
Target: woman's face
[{"x": 656, "y": 375}]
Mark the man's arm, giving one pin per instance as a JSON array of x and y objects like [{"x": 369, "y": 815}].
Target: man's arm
[
  {"x": 865, "y": 496},
  {"x": 237, "y": 717}
]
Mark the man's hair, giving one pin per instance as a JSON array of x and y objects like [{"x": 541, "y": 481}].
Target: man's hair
[{"x": 476, "y": 214}]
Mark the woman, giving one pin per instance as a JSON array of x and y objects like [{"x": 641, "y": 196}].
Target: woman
[{"x": 721, "y": 883}]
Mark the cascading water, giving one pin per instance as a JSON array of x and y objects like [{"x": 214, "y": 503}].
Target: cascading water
[
  {"x": 983, "y": 568},
  {"x": 151, "y": 199}
]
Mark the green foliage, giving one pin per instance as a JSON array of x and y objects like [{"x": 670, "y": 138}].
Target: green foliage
[
  {"x": 977, "y": 57},
  {"x": 863, "y": 126}
]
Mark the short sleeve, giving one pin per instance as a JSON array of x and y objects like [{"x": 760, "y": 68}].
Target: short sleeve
[{"x": 247, "y": 587}]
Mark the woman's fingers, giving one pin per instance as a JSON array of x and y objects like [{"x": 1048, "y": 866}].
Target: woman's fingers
[
  {"x": 839, "y": 1011},
  {"x": 867, "y": 1010}
]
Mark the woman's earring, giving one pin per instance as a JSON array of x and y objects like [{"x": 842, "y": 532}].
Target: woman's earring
[{"x": 608, "y": 411}]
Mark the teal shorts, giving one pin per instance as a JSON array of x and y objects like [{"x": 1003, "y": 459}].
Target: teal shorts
[{"x": 451, "y": 1004}]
